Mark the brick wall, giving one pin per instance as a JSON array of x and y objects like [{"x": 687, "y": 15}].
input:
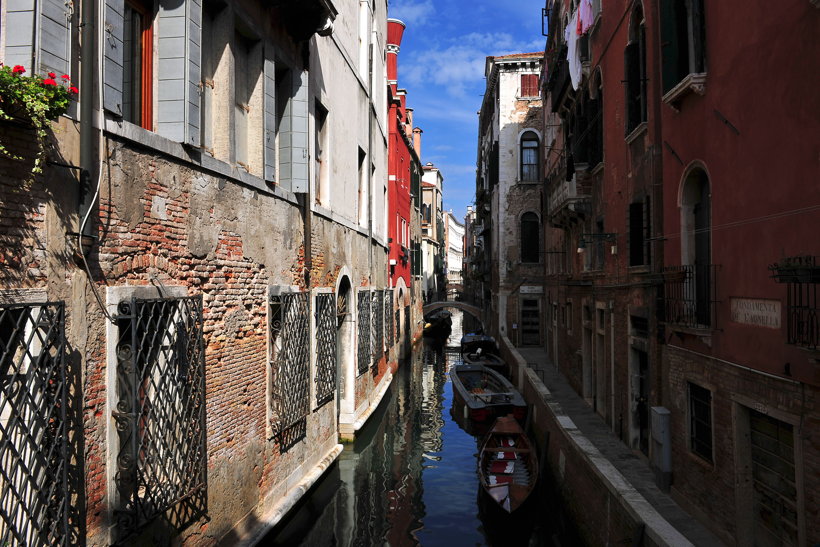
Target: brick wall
[{"x": 708, "y": 489}]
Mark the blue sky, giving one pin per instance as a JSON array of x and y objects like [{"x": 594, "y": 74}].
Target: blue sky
[{"x": 441, "y": 65}]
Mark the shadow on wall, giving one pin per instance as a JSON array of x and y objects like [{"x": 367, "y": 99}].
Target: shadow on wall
[{"x": 25, "y": 201}]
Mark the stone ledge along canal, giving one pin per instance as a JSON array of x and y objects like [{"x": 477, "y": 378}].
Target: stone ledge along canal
[{"x": 410, "y": 478}]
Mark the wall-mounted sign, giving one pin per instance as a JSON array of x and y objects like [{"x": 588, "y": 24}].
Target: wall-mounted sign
[
  {"x": 531, "y": 289},
  {"x": 759, "y": 313}
]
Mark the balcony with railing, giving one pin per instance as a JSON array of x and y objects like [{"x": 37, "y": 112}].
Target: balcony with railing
[
  {"x": 802, "y": 273},
  {"x": 690, "y": 296},
  {"x": 568, "y": 193}
]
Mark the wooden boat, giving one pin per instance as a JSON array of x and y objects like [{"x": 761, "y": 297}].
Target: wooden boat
[
  {"x": 438, "y": 323},
  {"x": 508, "y": 464},
  {"x": 485, "y": 393},
  {"x": 480, "y": 349},
  {"x": 488, "y": 360},
  {"x": 472, "y": 342}
]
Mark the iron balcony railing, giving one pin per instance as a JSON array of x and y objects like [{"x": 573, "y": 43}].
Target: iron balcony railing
[
  {"x": 690, "y": 295},
  {"x": 34, "y": 490},
  {"x": 567, "y": 193}
]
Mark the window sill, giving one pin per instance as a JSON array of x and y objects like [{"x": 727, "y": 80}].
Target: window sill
[
  {"x": 693, "y": 83},
  {"x": 529, "y": 182},
  {"x": 597, "y": 168},
  {"x": 194, "y": 156},
  {"x": 637, "y": 132}
]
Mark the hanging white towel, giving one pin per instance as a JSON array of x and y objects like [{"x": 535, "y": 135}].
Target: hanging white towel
[{"x": 574, "y": 52}]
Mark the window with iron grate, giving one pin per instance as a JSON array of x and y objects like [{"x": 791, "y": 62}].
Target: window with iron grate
[
  {"x": 160, "y": 413},
  {"x": 33, "y": 425},
  {"x": 700, "y": 421},
  {"x": 325, "y": 348},
  {"x": 290, "y": 359},
  {"x": 364, "y": 342}
]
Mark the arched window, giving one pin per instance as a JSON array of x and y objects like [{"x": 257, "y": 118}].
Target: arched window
[
  {"x": 635, "y": 68},
  {"x": 696, "y": 243},
  {"x": 530, "y": 238},
  {"x": 529, "y": 157}
]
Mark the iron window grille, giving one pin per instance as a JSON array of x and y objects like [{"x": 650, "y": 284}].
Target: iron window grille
[
  {"x": 388, "y": 318},
  {"x": 378, "y": 325},
  {"x": 325, "y": 347},
  {"x": 700, "y": 421},
  {"x": 34, "y": 491},
  {"x": 364, "y": 342},
  {"x": 290, "y": 360},
  {"x": 160, "y": 413}
]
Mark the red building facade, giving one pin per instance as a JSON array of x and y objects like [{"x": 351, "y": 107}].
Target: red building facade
[
  {"x": 403, "y": 165},
  {"x": 682, "y": 248}
]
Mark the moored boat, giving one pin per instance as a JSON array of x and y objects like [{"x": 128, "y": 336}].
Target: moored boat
[
  {"x": 474, "y": 341},
  {"x": 438, "y": 323},
  {"x": 508, "y": 464},
  {"x": 485, "y": 393}
]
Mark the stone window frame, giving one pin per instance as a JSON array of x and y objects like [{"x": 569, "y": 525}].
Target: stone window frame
[
  {"x": 531, "y": 167},
  {"x": 524, "y": 245},
  {"x": 675, "y": 84}
]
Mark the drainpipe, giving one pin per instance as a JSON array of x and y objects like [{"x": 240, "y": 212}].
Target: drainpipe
[{"x": 87, "y": 87}]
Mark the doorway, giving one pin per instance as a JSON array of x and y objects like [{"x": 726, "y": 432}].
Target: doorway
[{"x": 530, "y": 322}]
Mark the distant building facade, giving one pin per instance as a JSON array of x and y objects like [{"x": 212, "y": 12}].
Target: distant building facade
[
  {"x": 433, "y": 250},
  {"x": 455, "y": 254},
  {"x": 509, "y": 194}
]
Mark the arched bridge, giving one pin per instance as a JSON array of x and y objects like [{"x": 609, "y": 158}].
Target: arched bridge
[{"x": 469, "y": 308}]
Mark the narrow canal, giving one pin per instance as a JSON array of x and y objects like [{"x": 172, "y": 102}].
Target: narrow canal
[{"x": 410, "y": 477}]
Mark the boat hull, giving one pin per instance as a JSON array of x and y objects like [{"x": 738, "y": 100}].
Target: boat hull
[
  {"x": 508, "y": 465},
  {"x": 485, "y": 393}
]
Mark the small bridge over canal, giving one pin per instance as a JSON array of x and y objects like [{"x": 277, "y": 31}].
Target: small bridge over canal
[{"x": 469, "y": 308}]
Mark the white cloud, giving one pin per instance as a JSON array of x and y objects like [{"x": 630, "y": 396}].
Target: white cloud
[
  {"x": 459, "y": 66},
  {"x": 412, "y": 12}
]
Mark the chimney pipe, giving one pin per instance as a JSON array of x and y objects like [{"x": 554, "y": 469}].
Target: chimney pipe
[{"x": 417, "y": 140}]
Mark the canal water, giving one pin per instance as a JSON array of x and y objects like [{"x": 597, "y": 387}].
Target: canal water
[{"x": 410, "y": 477}]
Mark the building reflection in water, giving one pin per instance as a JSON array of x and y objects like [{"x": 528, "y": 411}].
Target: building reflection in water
[{"x": 409, "y": 478}]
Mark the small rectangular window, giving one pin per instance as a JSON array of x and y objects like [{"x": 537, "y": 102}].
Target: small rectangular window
[{"x": 700, "y": 421}]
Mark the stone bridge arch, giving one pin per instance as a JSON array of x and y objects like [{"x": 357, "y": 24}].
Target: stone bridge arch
[{"x": 469, "y": 308}]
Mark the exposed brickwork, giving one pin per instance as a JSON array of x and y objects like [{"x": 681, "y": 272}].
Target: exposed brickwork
[{"x": 727, "y": 382}]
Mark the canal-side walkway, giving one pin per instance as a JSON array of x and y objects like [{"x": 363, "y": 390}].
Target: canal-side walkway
[{"x": 636, "y": 471}]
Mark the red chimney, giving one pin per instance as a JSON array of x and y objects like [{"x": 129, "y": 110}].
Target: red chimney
[{"x": 395, "y": 31}]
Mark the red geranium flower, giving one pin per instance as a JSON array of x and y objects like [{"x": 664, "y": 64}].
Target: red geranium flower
[
  {"x": 65, "y": 77},
  {"x": 49, "y": 81},
  {"x": 73, "y": 89},
  {"x": 52, "y": 75},
  {"x": 18, "y": 69}
]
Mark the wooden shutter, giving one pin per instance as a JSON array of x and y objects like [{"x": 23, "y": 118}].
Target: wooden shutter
[
  {"x": 19, "y": 34},
  {"x": 529, "y": 85},
  {"x": 55, "y": 46},
  {"x": 179, "y": 74},
  {"x": 269, "y": 119},
  {"x": 113, "y": 51},
  {"x": 299, "y": 133}
]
